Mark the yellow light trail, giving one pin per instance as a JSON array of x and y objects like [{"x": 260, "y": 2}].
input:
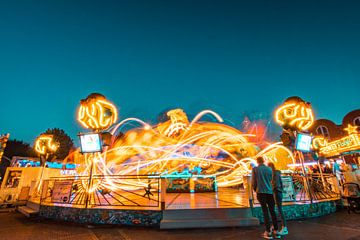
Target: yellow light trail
[{"x": 211, "y": 149}]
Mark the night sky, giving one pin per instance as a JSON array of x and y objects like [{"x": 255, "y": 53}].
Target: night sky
[{"x": 148, "y": 56}]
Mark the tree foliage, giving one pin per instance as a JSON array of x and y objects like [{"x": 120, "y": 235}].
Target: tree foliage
[
  {"x": 64, "y": 140},
  {"x": 18, "y": 148},
  {"x": 15, "y": 148}
]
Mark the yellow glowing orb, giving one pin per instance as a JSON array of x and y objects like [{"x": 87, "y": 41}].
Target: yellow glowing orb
[
  {"x": 97, "y": 113},
  {"x": 295, "y": 113},
  {"x": 45, "y": 144}
]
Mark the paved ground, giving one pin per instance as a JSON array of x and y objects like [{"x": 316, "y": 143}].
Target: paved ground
[{"x": 14, "y": 226}]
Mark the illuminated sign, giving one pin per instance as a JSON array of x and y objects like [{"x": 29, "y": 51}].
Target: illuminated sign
[
  {"x": 350, "y": 142},
  {"x": 44, "y": 144},
  {"x": 90, "y": 143},
  {"x": 96, "y": 112},
  {"x": 344, "y": 144},
  {"x": 319, "y": 142},
  {"x": 303, "y": 142},
  {"x": 68, "y": 172},
  {"x": 295, "y": 113},
  {"x": 351, "y": 129}
]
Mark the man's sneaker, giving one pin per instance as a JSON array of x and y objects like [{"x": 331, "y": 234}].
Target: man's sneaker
[
  {"x": 276, "y": 234},
  {"x": 267, "y": 235},
  {"x": 283, "y": 231}
]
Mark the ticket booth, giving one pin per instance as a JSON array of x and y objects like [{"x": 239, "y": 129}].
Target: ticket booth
[{"x": 20, "y": 182}]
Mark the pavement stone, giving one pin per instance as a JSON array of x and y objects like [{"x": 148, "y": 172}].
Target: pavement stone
[{"x": 13, "y": 226}]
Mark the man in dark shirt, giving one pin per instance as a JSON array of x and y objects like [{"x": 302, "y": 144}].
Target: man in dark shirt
[{"x": 261, "y": 183}]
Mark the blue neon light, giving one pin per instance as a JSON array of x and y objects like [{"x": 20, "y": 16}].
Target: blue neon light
[{"x": 30, "y": 163}]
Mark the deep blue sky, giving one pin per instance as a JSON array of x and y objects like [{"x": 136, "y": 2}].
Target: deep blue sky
[{"x": 147, "y": 56}]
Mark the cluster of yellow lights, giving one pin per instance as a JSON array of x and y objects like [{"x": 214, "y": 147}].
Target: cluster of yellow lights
[
  {"x": 179, "y": 122},
  {"x": 96, "y": 113},
  {"x": 3, "y": 141},
  {"x": 318, "y": 143},
  {"x": 296, "y": 114},
  {"x": 177, "y": 146},
  {"x": 351, "y": 129},
  {"x": 45, "y": 144},
  {"x": 333, "y": 148}
]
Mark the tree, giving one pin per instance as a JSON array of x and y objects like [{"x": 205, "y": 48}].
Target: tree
[
  {"x": 15, "y": 148},
  {"x": 65, "y": 142},
  {"x": 18, "y": 148}
]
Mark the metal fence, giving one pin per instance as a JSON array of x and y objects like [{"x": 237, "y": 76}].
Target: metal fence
[
  {"x": 315, "y": 186},
  {"x": 102, "y": 191}
]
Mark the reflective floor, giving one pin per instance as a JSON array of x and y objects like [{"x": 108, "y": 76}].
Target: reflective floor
[{"x": 224, "y": 198}]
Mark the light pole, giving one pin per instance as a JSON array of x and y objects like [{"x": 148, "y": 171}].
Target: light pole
[
  {"x": 295, "y": 116},
  {"x": 97, "y": 114}
]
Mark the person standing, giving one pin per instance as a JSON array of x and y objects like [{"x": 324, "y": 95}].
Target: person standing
[
  {"x": 336, "y": 170},
  {"x": 261, "y": 183},
  {"x": 278, "y": 189}
]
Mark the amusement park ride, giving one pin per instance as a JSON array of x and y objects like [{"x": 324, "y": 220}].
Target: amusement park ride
[
  {"x": 177, "y": 147},
  {"x": 117, "y": 172}
]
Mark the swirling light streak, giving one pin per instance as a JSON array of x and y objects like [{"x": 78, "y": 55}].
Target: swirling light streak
[
  {"x": 240, "y": 167},
  {"x": 204, "y": 112},
  {"x": 214, "y": 150},
  {"x": 115, "y": 128}
]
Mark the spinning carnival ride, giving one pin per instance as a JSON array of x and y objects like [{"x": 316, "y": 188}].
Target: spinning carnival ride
[{"x": 176, "y": 147}]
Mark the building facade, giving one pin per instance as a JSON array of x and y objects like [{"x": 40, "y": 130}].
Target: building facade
[{"x": 334, "y": 133}]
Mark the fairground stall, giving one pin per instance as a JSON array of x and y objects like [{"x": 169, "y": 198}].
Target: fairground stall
[
  {"x": 23, "y": 176},
  {"x": 338, "y": 150}
]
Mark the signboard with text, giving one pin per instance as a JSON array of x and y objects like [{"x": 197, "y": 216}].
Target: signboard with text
[
  {"x": 348, "y": 143},
  {"x": 289, "y": 192},
  {"x": 303, "y": 142},
  {"x": 90, "y": 143},
  {"x": 61, "y": 191}
]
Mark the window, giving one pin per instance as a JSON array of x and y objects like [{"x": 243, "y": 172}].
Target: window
[
  {"x": 322, "y": 130},
  {"x": 13, "y": 179},
  {"x": 357, "y": 121}
]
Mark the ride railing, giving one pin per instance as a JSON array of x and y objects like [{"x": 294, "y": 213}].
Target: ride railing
[
  {"x": 103, "y": 191},
  {"x": 314, "y": 186},
  {"x": 301, "y": 188}
]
